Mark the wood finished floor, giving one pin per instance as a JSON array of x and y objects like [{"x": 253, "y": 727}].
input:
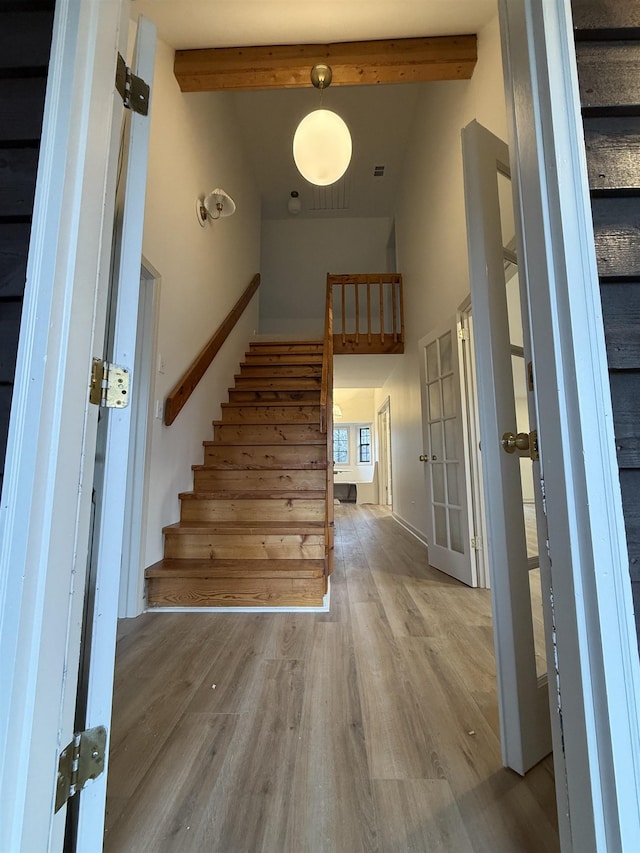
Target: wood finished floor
[{"x": 369, "y": 728}]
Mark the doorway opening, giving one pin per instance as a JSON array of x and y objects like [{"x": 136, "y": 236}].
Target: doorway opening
[{"x": 385, "y": 482}]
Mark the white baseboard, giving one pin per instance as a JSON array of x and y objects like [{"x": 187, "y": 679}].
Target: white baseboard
[{"x": 411, "y": 529}]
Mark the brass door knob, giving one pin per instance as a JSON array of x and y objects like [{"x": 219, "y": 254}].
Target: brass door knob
[
  {"x": 423, "y": 458},
  {"x": 511, "y": 442}
]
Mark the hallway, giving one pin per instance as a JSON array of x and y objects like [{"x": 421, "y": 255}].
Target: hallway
[{"x": 369, "y": 728}]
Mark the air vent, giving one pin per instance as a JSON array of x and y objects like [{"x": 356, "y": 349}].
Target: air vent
[
  {"x": 333, "y": 197},
  {"x": 378, "y": 171}
]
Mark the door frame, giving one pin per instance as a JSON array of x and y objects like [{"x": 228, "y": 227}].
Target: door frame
[
  {"x": 595, "y": 626},
  {"x": 471, "y": 427},
  {"x": 385, "y": 470},
  {"x": 131, "y": 600}
]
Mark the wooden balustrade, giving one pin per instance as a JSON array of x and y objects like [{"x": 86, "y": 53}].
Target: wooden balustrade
[
  {"x": 187, "y": 384},
  {"x": 381, "y": 330}
]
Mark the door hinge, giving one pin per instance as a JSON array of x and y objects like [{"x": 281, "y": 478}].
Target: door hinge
[
  {"x": 133, "y": 90},
  {"x": 109, "y": 385},
  {"x": 463, "y": 334},
  {"x": 476, "y": 543},
  {"x": 80, "y": 761}
]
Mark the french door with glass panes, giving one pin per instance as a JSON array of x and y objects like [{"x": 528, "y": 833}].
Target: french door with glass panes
[
  {"x": 443, "y": 455},
  {"x": 515, "y": 522}
]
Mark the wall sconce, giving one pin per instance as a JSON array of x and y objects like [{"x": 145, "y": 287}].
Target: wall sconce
[
  {"x": 337, "y": 411},
  {"x": 294, "y": 205},
  {"x": 322, "y": 143},
  {"x": 217, "y": 205}
]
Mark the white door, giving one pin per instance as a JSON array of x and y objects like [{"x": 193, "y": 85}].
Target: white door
[
  {"x": 114, "y": 443},
  {"x": 597, "y": 672},
  {"x": 500, "y": 369},
  {"x": 46, "y": 508},
  {"x": 444, "y": 455}
]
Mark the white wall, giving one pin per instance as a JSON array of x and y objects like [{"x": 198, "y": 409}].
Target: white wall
[
  {"x": 297, "y": 254},
  {"x": 194, "y": 148},
  {"x": 432, "y": 249},
  {"x": 357, "y": 405}
]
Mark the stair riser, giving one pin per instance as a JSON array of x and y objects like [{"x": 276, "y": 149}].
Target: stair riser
[
  {"x": 238, "y": 395},
  {"x": 282, "y": 347},
  {"x": 301, "y": 383},
  {"x": 211, "y": 511},
  {"x": 212, "y": 480},
  {"x": 221, "y": 546},
  {"x": 268, "y": 456},
  {"x": 283, "y": 358},
  {"x": 271, "y": 414},
  {"x": 236, "y": 569},
  {"x": 205, "y": 592},
  {"x": 266, "y": 434},
  {"x": 281, "y": 370}
]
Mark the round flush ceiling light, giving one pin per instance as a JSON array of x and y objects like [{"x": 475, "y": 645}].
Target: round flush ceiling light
[{"x": 322, "y": 147}]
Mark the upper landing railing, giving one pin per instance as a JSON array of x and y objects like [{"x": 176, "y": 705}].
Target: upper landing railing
[{"x": 368, "y": 313}]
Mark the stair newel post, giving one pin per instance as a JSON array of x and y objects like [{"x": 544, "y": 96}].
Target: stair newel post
[
  {"x": 401, "y": 301},
  {"x": 381, "y": 297},
  {"x": 326, "y": 419}
]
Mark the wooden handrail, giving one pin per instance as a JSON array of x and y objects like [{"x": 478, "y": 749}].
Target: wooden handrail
[{"x": 186, "y": 386}]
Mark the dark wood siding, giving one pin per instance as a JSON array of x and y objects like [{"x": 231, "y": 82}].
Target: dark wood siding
[
  {"x": 25, "y": 40},
  {"x": 608, "y": 52}
]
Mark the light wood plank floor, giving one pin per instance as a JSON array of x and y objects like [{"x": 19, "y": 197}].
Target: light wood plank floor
[{"x": 369, "y": 728}]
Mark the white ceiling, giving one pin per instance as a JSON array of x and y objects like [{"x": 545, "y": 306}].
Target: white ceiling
[
  {"x": 379, "y": 117},
  {"x": 232, "y": 23}
]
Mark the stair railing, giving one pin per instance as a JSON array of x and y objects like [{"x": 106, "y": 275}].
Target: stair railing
[
  {"x": 370, "y": 312},
  {"x": 326, "y": 424},
  {"x": 194, "y": 373}
]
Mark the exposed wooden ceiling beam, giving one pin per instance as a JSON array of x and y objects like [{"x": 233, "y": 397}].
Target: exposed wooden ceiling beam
[{"x": 412, "y": 60}]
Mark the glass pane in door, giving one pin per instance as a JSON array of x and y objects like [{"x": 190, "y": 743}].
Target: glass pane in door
[{"x": 444, "y": 466}]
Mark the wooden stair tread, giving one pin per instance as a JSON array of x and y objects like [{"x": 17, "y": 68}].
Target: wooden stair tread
[
  {"x": 277, "y": 422},
  {"x": 235, "y": 568},
  {"x": 266, "y": 424},
  {"x": 310, "y": 360},
  {"x": 238, "y": 443},
  {"x": 233, "y": 466},
  {"x": 301, "y": 466},
  {"x": 262, "y": 494},
  {"x": 293, "y": 528},
  {"x": 269, "y": 403},
  {"x": 287, "y": 343}
]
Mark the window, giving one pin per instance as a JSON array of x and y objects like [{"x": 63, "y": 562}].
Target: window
[
  {"x": 352, "y": 444},
  {"x": 341, "y": 445},
  {"x": 364, "y": 444}
]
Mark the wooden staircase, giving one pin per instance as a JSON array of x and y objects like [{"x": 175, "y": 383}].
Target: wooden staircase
[{"x": 256, "y": 529}]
